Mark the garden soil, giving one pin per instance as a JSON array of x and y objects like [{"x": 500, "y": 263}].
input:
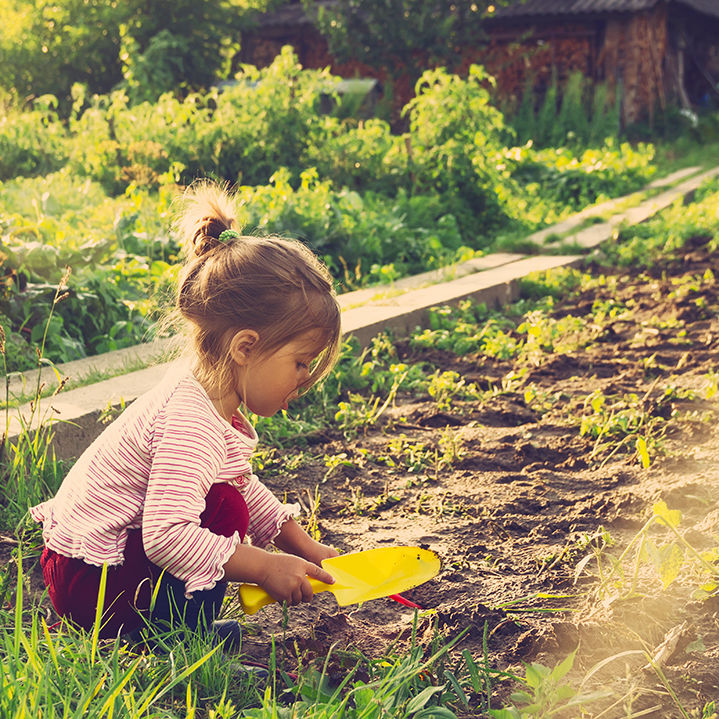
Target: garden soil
[
  {"x": 522, "y": 498},
  {"x": 527, "y": 497}
]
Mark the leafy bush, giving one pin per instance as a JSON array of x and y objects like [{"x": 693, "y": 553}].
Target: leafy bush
[
  {"x": 562, "y": 177},
  {"x": 88, "y": 321},
  {"x": 546, "y": 115},
  {"x": 350, "y": 230},
  {"x": 457, "y": 139},
  {"x": 123, "y": 261},
  {"x": 265, "y": 119},
  {"x": 359, "y": 156},
  {"x": 262, "y": 121},
  {"x": 48, "y": 45},
  {"x": 572, "y": 122},
  {"x": 31, "y": 141},
  {"x": 19, "y": 354}
]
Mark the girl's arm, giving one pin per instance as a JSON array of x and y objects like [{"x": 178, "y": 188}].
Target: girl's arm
[{"x": 283, "y": 576}]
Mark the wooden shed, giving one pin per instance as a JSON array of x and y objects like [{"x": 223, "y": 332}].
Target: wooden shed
[{"x": 657, "y": 52}]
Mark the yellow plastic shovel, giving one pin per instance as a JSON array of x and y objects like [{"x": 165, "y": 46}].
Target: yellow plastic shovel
[{"x": 361, "y": 576}]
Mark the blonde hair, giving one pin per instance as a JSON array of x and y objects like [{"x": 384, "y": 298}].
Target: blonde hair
[{"x": 272, "y": 285}]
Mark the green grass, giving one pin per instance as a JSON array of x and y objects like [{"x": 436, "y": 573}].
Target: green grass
[
  {"x": 686, "y": 152},
  {"x": 60, "y": 671}
]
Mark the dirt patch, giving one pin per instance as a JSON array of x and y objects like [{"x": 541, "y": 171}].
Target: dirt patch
[{"x": 526, "y": 496}]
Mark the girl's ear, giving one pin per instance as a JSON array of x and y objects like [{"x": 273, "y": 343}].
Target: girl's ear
[{"x": 241, "y": 345}]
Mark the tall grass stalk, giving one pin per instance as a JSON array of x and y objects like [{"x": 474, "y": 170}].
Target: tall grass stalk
[
  {"x": 28, "y": 467},
  {"x": 66, "y": 672},
  {"x": 404, "y": 686}
]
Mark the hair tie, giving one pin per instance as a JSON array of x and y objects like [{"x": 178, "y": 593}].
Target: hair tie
[{"x": 227, "y": 235}]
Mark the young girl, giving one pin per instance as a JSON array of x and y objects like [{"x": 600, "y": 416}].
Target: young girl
[{"x": 166, "y": 494}]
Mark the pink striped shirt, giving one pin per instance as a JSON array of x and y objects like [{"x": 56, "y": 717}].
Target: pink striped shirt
[{"x": 152, "y": 468}]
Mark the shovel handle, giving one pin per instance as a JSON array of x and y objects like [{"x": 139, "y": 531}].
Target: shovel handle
[{"x": 254, "y": 597}]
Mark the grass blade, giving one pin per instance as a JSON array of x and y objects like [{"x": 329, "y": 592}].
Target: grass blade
[{"x": 98, "y": 613}]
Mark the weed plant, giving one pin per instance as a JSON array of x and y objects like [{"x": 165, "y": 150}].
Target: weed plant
[
  {"x": 579, "y": 114},
  {"x": 28, "y": 468},
  {"x": 574, "y": 178},
  {"x": 524, "y": 332},
  {"x": 660, "y": 547},
  {"x": 668, "y": 234},
  {"x": 622, "y": 422}
]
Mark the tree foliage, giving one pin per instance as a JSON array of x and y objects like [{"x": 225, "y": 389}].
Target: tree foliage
[
  {"x": 399, "y": 36},
  {"x": 149, "y": 46},
  {"x": 46, "y": 46}
]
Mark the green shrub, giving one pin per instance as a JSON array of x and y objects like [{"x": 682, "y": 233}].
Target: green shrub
[
  {"x": 48, "y": 45},
  {"x": 456, "y": 140},
  {"x": 19, "y": 354},
  {"x": 358, "y": 155},
  {"x": 262, "y": 121},
  {"x": 268, "y": 116},
  {"x": 363, "y": 232},
  {"x": 32, "y": 141},
  {"x": 120, "y": 253},
  {"x": 375, "y": 205},
  {"x": 576, "y": 180},
  {"x": 87, "y": 321}
]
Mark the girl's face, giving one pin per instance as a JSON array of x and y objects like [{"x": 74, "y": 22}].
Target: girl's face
[{"x": 268, "y": 382}]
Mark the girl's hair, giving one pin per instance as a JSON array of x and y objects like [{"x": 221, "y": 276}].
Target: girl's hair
[{"x": 273, "y": 285}]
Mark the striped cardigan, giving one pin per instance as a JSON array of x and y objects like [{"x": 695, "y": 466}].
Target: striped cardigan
[{"x": 152, "y": 469}]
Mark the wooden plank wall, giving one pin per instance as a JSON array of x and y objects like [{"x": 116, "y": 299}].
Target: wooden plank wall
[{"x": 633, "y": 57}]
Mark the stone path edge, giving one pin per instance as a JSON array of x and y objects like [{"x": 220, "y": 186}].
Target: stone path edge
[{"x": 76, "y": 415}]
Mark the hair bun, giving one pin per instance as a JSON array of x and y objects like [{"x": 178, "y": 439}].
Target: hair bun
[
  {"x": 206, "y": 210},
  {"x": 210, "y": 233}
]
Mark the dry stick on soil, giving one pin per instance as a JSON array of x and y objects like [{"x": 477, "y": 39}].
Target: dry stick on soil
[
  {"x": 656, "y": 657},
  {"x": 603, "y": 663}
]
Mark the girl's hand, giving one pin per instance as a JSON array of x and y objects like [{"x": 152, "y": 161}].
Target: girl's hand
[{"x": 286, "y": 578}]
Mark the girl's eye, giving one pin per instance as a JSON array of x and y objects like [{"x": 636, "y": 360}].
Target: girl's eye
[{"x": 302, "y": 365}]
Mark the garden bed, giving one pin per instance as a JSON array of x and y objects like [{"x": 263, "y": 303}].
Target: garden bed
[{"x": 512, "y": 496}]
